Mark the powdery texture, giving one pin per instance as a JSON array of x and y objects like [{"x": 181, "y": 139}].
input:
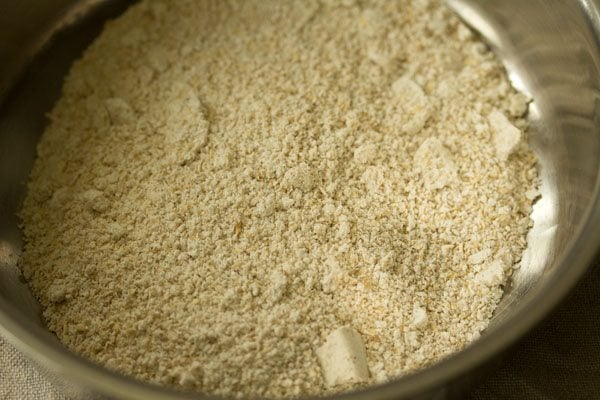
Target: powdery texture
[{"x": 224, "y": 183}]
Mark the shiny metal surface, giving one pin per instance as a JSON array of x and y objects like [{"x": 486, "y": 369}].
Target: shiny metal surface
[
  {"x": 552, "y": 51},
  {"x": 26, "y": 26}
]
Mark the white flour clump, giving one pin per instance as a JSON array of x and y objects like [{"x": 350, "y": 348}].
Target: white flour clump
[{"x": 226, "y": 184}]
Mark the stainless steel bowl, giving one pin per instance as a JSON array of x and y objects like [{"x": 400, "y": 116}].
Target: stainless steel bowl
[{"x": 552, "y": 52}]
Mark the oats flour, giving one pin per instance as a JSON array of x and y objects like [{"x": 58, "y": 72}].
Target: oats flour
[{"x": 223, "y": 184}]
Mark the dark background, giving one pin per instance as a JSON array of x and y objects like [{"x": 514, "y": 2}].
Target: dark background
[{"x": 560, "y": 359}]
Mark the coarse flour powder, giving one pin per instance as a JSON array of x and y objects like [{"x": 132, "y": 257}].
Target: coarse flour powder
[{"x": 276, "y": 198}]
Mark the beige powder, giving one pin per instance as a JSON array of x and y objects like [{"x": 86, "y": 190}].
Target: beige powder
[{"x": 224, "y": 183}]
